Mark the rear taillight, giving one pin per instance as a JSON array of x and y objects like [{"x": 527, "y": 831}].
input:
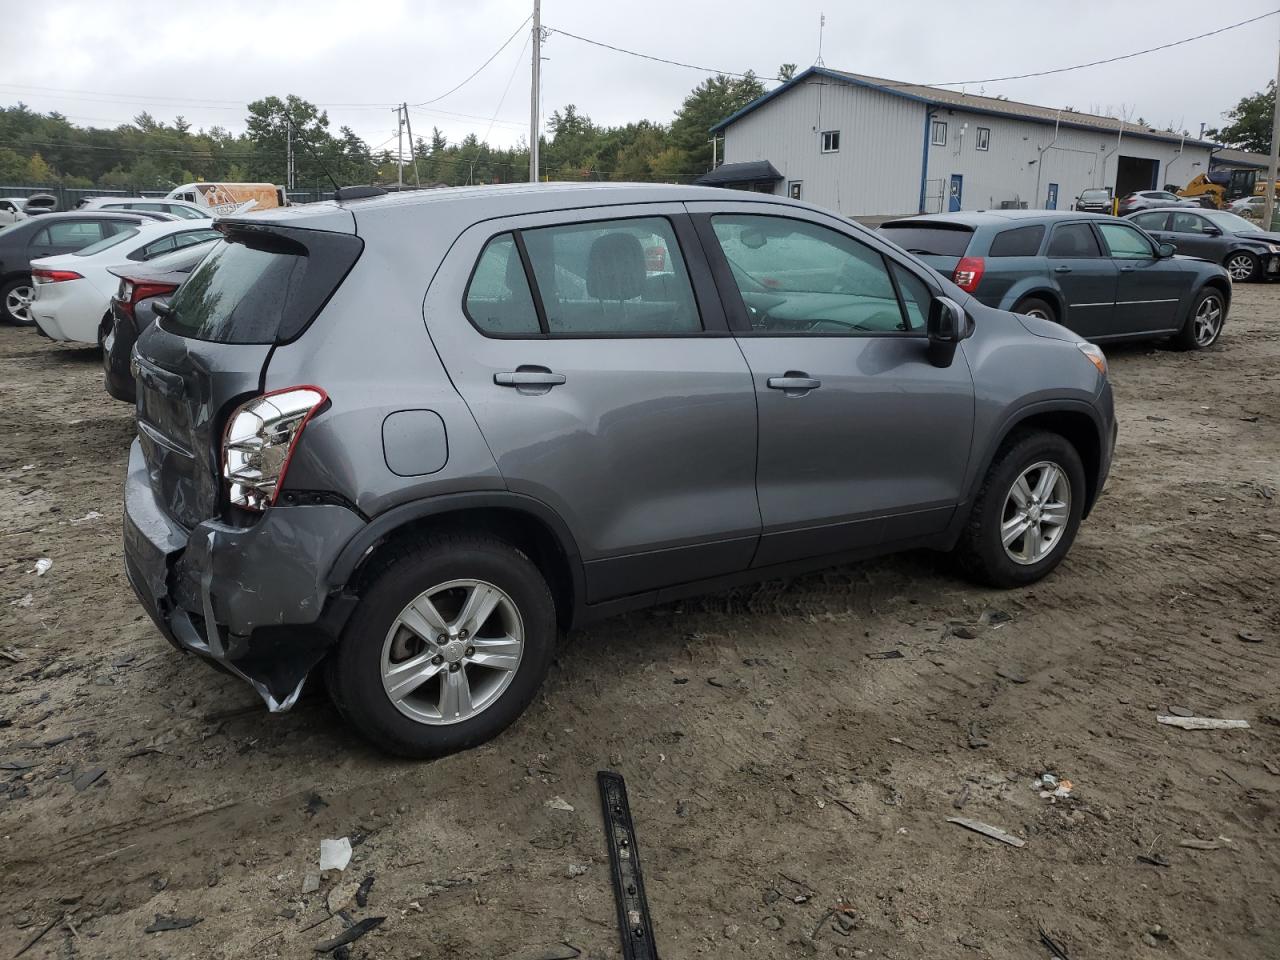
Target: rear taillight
[
  {"x": 44, "y": 275},
  {"x": 131, "y": 292},
  {"x": 968, "y": 273},
  {"x": 259, "y": 440}
]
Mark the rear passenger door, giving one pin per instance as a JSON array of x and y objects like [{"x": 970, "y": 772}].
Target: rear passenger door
[
  {"x": 862, "y": 440},
  {"x": 594, "y": 355},
  {"x": 1085, "y": 278}
]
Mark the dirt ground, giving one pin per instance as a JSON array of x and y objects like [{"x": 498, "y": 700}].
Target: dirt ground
[{"x": 791, "y": 787}]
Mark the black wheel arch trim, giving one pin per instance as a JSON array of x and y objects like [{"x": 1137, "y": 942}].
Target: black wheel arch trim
[{"x": 387, "y": 523}]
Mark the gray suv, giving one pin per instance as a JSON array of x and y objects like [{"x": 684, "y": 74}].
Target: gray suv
[{"x": 407, "y": 439}]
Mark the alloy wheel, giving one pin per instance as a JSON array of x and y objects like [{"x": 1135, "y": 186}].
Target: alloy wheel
[
  {"x": 18, "y": 303},
  {"x": 1240, "y": 267},
  {"x": 1208, "y": 321},
  {"x": 452, "y": 652},
  {"x": 1036, "y": 510}
]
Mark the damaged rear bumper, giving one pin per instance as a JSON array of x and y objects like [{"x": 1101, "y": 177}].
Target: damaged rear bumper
[{"x": 206, "y": 590}]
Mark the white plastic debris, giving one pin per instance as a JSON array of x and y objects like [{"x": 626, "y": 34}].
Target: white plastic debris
[
  {"x": 1050, "y": 785},
  {"x": 43, "y": 566},
  {"x": 335, "y": 854},
  {"x": 557, "y": 803},
  {"x": 24, "y": 601},
  {"x": 987, "y": 830},
  {"x": 91, "y": 515},
  {"x": 1203, "y": 723}
]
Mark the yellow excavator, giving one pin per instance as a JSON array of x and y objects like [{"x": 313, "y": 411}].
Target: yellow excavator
[{"x": 1217, "y": 188}]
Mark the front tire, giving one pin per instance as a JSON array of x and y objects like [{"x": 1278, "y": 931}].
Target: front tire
[
  {"x": 1204, "y": 322},
  {"x": 15, "y": 302},
  {"x": 1027, "y": 513},
  {"x": 446, "y": 648},
  {"x": 1243, "y": 266}
]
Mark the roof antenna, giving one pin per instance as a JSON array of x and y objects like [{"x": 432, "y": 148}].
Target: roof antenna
[
  {"x": 822, "y": 23},
  {"x": 297, "y": 135}
]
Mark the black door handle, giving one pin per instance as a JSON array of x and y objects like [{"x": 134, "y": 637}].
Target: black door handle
[{"x": 1062, "y": 269}]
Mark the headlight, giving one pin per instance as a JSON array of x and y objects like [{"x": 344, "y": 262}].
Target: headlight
[
  {"x": 1274, "y": 247},
  {"x": 1094, "y": 355}
]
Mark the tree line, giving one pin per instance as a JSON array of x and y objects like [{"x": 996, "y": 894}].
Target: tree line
[{"x": 149, "y": 153}]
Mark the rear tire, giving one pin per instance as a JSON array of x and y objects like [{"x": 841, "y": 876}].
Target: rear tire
[
  {"x": 1204, "y": 322},
  {"x": 461, "y": 703},
  {"x": 15, "y": 302},
  {"x": 1243, "y": 266},
  {"x": 1035, "y": 489},
  {"x": 1035, "y": 307}
]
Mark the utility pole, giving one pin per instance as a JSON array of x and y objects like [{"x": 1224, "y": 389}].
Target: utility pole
[
  {"x": 288, "y": 155},
  {"x": 399, "y": 149},
  {"x": 413, "y": 149},
  {"x": 535, "y": 92},
  {"x": 1268, "y": 208}
]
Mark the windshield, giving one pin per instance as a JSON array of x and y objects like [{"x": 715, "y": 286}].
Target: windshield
[
  {"x": 1230, "y": 223},
  {"x": 1094, "y": 195},
  {"x": 106, "y": 242}
]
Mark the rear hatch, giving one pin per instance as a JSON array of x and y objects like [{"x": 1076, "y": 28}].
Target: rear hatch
[
  {"x": 259, "y": 287},
  {"x": 938, "y": 243}
]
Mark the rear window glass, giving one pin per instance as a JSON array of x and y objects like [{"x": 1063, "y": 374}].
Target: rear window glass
[
  {"x": 107, "y": 243},
  {"x": 261, "y": 287},
  {"x": 1019, "y": 242},
  {"x": 498, "y": 298},
  {"x": 926, "y": 240}
]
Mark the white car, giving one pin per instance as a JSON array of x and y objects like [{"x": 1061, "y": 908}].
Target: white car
[
  {"x": 72, "y": 292},
  {"x": 178, "y": 208}
]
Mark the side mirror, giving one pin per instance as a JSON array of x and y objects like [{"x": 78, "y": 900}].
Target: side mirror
[
  {"x": 1212, "y": 232},
  {"x": 1166, "y": 250},
  {"x": 162, "y": 308},
  {"x": 948, "y": 324}
]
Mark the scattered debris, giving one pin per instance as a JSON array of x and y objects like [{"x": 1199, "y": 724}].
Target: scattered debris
[
  {"x": 1194, "y": 844},
  {"x": 634, "y": 924},
  {"x": 314, "y": 804},
  {"x": 995, "y": 833},
  {"x": 1202, "y": 723},
  {"x": 91, "y": 515},
  {"x": 362, "y": 892},
  {"x": 36, "y": 939},
  {"x": 885, "y": 655},
  {"x": 559, "y": 803},
  {"x": 18, "y": 764},
  {"x": 561, "y": 951},
  {"x": 335, "y": 855},
  {"x": 1051, "y": 787},
  {"x": 962, "y": 798},
  {"x": 1155, "y": 859},
  {"x": 23, "y": 601},
  {"x": 163, "y": 923},
  {"x": 1248, "y": 636},
  {"x": 349, "y": 935},
  {"x": 88, "y": 778},
  {"x": 964, "y": 632},
  {"x": 976, "y": 738},
  {"x": 1157, "y": 419},
  {"x": 43, "y": 566},
  {"x": 311, "y": 881},
  {"x": 995, "y": 618},
  {"x": 575, "y": 870},
  {"x": 1177, "y": 711},
  {"x": 1053, "y": 946},
  {"x": 1011, "y": 674},
  {"x": 715, "y": 682}
]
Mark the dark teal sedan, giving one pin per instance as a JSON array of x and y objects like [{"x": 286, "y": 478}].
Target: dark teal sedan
[{"x": 1100, "y": 276}]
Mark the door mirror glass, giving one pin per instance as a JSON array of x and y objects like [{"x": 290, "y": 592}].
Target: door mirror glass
[
  {"x": 1212, "y": 232},
  {"x": 1166, "y": 250}
]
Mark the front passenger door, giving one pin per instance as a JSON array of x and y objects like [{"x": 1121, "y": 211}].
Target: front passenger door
[
  {"x": 1148, "y": 289},
  {"x": 1194, "y": 236},
  {"x": 861, "y": 440}
]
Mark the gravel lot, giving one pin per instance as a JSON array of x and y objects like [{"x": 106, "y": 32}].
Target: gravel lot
[{"x": 791, "y": 789}]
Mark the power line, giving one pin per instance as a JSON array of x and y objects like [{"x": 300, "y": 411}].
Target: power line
[
  {"x": 477, "y": 70},
  {"x": 948, "y": 83}
]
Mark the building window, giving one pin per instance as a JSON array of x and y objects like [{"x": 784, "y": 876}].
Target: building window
[
  {"x": 984, "y": 138},
  {"x": 830, "y": 141},
  {"x": 939, "y": 133},
  {"x": 793, "y": 189}
]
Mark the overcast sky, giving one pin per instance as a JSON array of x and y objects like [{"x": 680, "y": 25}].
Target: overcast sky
[{"x": 205, "y": 60}]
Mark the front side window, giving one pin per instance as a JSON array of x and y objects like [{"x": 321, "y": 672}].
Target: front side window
[
  {"x": 612, "y": 277},
  {"x": 830, "y": 141},
  {"x": 498, "y": 301},
  {"x": 939, "y": 133},
  {"x": 799, "y": 277},
  {"x": 1125, "y": 243},
  {"x": 1074, "y": 241},
  {"x": 1189, "y": 223},
  {"x": 1018, "y": 242},
  {"x": 983, "y": 140}
]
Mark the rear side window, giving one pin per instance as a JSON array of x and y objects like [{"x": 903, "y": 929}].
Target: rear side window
[
  {"x": 614, "y": 277},
  {"x": 1073, "y": 241},
  {"x": 929, "y": 240},
  {"x": 76, "y": 233},
  {"x": 262, "y": 286},
  {"x": 498, "y": 299},
  {"x": 1019, "y": 242}
]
